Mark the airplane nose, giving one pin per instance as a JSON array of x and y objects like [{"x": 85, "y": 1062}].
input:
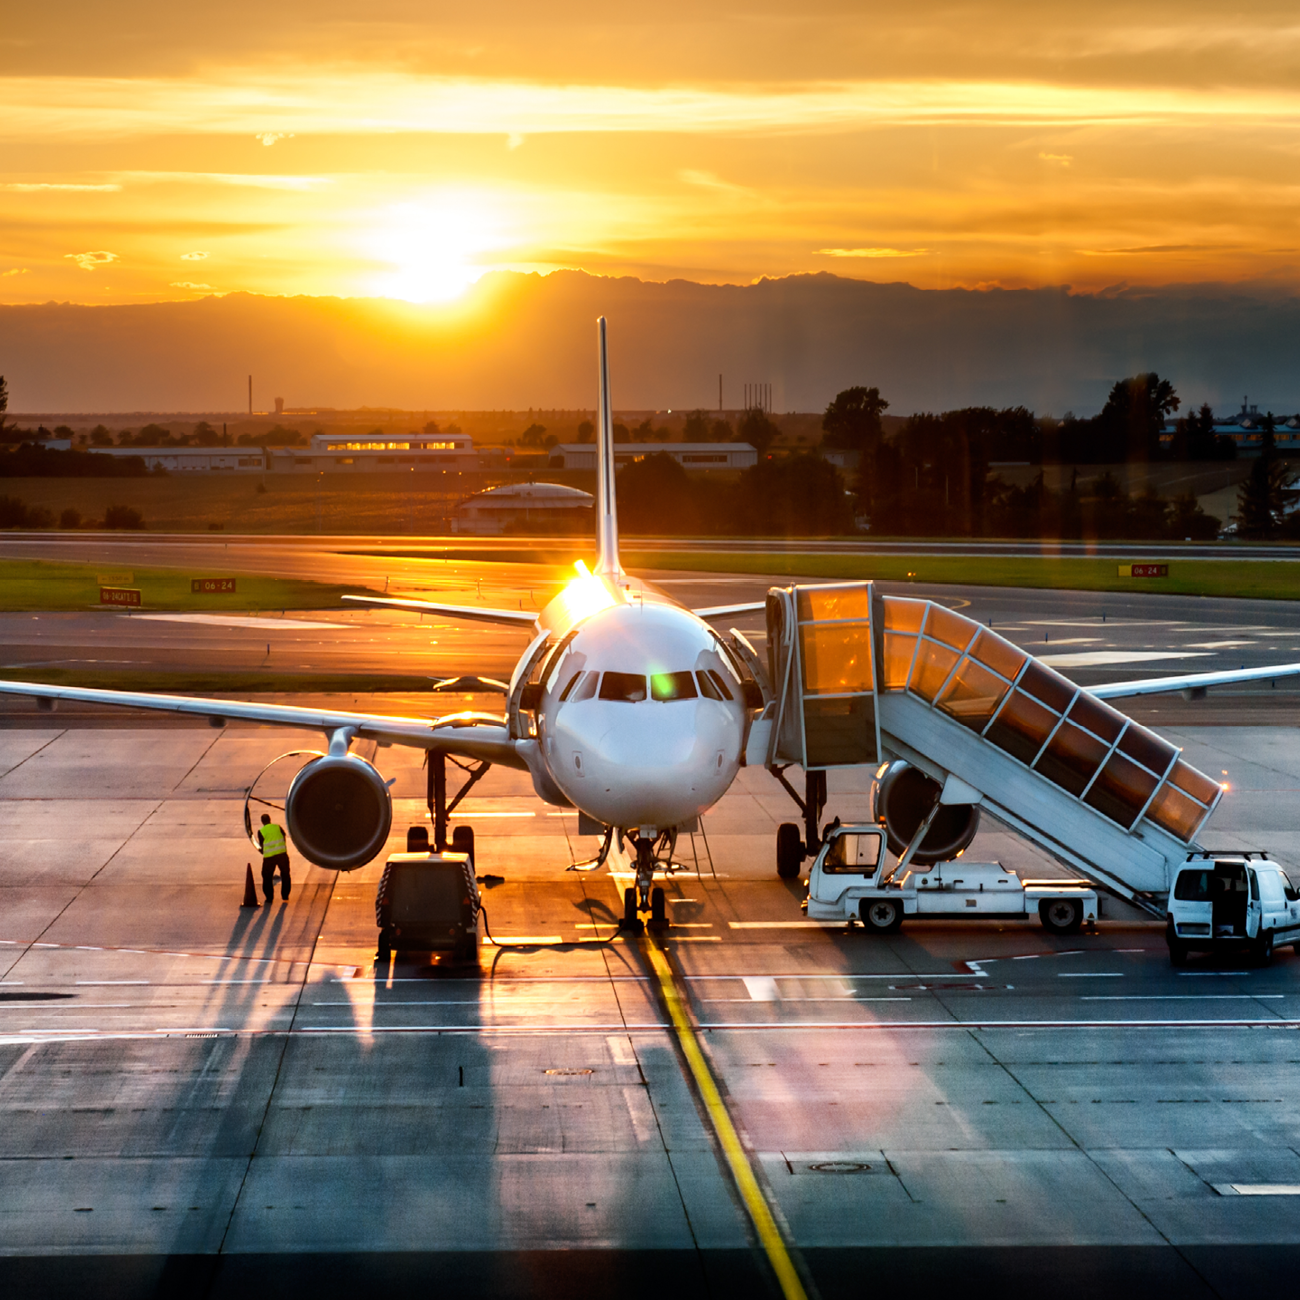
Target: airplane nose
[{"x": 646, "y": 764}]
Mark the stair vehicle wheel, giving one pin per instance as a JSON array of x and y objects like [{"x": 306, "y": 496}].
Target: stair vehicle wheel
[
  {"x": 1262, "y": 950},
  {"x": 462, "y": 841},
  {"x": 1061, "y": 915},
  {"x": 384, "y": 949},
  {"x": 789, "y": 851},
  {"x": 883, "y": 915}
]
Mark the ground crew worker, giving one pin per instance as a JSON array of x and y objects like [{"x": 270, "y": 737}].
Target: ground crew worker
[{"x": 271, "y": 840}]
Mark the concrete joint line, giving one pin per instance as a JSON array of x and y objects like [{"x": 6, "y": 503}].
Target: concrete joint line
[{"x": 742, "y": 1172}]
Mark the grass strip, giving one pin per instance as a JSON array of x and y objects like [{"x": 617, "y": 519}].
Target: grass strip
[
  {"x": 60, "y": 585},
  {"x": 1257, "y": 579}
]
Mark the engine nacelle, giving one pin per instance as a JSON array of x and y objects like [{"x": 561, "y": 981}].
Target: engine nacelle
[
  {"x": 904, "y": 796},
  {"x": 338, "y": 812}
]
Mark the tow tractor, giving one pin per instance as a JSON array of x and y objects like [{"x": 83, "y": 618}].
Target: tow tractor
[{"x": 849, "y": 882}]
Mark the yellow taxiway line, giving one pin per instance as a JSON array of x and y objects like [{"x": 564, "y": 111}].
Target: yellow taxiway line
[{"x": 742, "y": 1173}]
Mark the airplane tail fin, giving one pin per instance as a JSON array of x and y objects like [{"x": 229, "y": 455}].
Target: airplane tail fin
[{"x": 606, "y": 507}]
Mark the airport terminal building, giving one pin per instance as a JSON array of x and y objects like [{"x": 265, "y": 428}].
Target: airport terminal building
[{"x": 375, "y": 453}]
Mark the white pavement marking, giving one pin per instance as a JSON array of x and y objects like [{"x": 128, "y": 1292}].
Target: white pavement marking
[
  {"x": 232, "y": 620},
  {"x": 761, "y": 988},
  {"x": 783, "y": 925},
  {"x": 1188, "y": 997},
  {"x": 1100, "y": 658},
  {"x": 1090, "y": 975},
  {"x": 1257, "y": 1189}
]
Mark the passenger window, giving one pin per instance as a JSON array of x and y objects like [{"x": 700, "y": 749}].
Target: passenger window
[
  {"x": 708, "y": 689},
  {"x": 628, "y": 688},
  {"x": 672, "y": 686}
]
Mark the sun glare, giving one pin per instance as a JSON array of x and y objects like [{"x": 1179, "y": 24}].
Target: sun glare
[{"x": 431, "y": 249}]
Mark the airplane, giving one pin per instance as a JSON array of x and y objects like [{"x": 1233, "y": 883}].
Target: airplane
[{"x": 624, "y": 705}]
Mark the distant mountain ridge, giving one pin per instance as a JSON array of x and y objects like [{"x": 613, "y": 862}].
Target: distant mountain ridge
[{"x": 518, "y": 341}]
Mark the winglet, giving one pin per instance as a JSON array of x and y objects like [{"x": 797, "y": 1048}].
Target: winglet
[{"x": 606, "y": 512}]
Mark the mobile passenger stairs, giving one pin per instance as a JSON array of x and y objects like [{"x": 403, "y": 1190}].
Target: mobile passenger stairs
[{"x": 958, "y": 721}]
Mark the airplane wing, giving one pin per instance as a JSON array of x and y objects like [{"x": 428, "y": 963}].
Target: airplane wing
[
  {"x": 726, "y": 611},
  {"x": 1191, "y": 681},
  {"x": 469, "y": 735},
  {"x": 474, "y": 613}
]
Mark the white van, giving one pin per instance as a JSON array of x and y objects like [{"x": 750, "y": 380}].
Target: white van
[{"x": 1231, "y": 900}]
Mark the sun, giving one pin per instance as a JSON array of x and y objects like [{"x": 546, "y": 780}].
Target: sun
[{"x": 431, "y": 248}]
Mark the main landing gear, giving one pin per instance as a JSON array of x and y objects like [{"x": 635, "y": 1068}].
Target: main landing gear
[
  {"x": 645, "y": 895},
  {"x": 792, "y": 847}
]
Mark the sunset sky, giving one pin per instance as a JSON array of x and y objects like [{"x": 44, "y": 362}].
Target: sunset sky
[{"x": 156, "y": 151}]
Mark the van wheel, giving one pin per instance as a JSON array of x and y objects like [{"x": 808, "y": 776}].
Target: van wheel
[
  {"x": 883, "y": 915},
  {"x": 1177, "y": 952},
  {"x": 1262, "y": 950},
  {"x": 1061, "y": 915},
  {"x": 789, "y": 851}
]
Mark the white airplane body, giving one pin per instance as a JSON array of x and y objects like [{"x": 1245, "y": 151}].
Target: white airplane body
[{"x": 625, "y": 706}]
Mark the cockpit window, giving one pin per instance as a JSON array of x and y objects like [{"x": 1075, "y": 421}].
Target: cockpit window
[
  {"x": 720, "y": 682},
  {"x": 587, "y": 688},
  {"x": 672, "y": 686},
  {"x": 708, "y": 688},
  {"x": 581, "y": 686},
  {"x": 629, "y": 687}
]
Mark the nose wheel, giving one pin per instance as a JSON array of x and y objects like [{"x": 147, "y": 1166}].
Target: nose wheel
[{"x": 645, "y": 895}]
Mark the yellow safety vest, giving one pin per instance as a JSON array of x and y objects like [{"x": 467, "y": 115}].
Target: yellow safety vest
[{"x": 272, "y": 840}]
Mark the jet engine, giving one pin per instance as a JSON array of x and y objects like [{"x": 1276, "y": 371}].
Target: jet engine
[
  {"x": 904, "y": 796},
  {"x": 338, "y": 812}
]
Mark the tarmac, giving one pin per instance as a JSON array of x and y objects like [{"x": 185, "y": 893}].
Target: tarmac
[{"x": 205, "y": 1100}]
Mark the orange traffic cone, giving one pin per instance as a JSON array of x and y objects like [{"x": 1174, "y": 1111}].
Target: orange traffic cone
[{"x": 250, "y": 890}]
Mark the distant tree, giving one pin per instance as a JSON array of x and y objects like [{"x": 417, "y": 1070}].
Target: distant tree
[
  {"x": 1195, "y": 438},
  {"x": 793, "y": 497},
  {"x": 757, "y": 430},
  {"x": 722, "y": 431},
  {"x": 154, "y": 435},
  {"x": 533, "y": 435},
  {"x": 550, "y": 441},
  {"x": 123, "y": 517},
  {"x": 13, "y": 512},
  {"x": 205, "y": 435},
  {"x": 586, "y": 431},
  {"x": 70, "y": 518},
  {"x": 621, "y": 433},
  {"x": 1134, "y": 416},
  {"x": 645, "y": 431},
  {"x": 657, "y": 497},
  {"x": 1187, "y": 519},
  {"x": 1263, "y": 498},
  {"x": 696, "y": 428},
  {"x": 852, "y": 420},
  {"x": 63, "y": 431},
  {"x": 101, "y": 437},
  {"x": 4, "y": 401},
  {"x": 1268, "y": 435},
  {"x": 431, "y": 427}
]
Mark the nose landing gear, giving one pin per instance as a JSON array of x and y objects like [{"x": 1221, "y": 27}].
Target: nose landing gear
[{"x": 645, "y": 895}]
